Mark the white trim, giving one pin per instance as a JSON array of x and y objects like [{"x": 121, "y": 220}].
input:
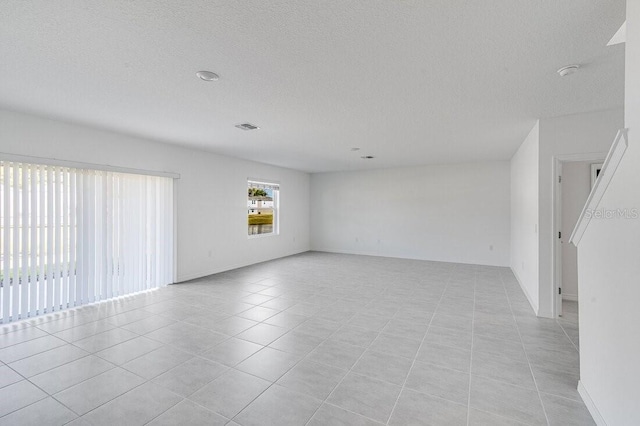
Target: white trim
[
  {"x": 591, "y": 406},
  {"x": 585, "y": 156},
  {"x": 620, "y": 36},
  {"x": 570, "y": 297},
  {"x": 556, "y": 220},
  {"x": 275, "y": 188},
  {"x": 175, "y": 231},
  {"x": 266, "y": 235},
  {"x": 264, "y": 182},
  {"x": 534, "y": 306},
  {"x": 609, "y": 168},
  {"x": 594, "y": 172},
  {"x": 4, "y": 156},
  {"x": 557, "y": 242},
  {"x": 389, "y": 256},
  {"x": 230, "y": 267}
]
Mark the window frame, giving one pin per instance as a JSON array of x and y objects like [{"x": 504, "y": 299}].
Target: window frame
[{"x": 275, "y": 208}]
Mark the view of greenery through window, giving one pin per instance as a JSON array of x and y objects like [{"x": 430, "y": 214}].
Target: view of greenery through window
[{"x": 261, "y": 209}]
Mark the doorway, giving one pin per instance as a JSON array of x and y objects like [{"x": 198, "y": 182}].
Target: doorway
[{"x": 573, "y": 184}]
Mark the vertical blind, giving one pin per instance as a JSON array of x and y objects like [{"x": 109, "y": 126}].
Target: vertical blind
[{"x": 71, "y": 236}]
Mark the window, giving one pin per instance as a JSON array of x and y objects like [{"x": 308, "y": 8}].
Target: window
[
  {"x": 262, "y": 207},
  {"x": 70, "y": 236}
]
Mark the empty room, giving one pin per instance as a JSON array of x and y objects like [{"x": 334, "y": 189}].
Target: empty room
[{"x": 343, "y": 212}]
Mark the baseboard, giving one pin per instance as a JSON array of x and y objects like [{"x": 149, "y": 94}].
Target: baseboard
[
  {"x": 593, "y": 410},
  {"x": 194, "y": 275},
  {"x": 534, "y": 306},
  {"x": 391, "y": 256},
  {"x": 570, "y": 297}
]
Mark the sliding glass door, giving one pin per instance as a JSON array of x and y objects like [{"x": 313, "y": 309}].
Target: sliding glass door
[{"x": 70, "y": 236}]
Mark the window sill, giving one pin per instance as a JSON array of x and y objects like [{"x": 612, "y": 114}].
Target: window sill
[{"x": 256, "y": 236}]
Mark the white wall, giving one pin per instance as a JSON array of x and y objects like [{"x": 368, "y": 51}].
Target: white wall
[
  {"x": 576, "y": 185},
  {"x": 454, "y": 213},
  {"x": 609, "y": 271},
  {"x": 570, "y": 134},
  {"x": 524, "y": 216},
  {"x": 211, "y": 194}
]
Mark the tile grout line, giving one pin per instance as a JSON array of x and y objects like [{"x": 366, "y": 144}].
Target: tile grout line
[
  {"x": 347, "y": 371},
  {"x": 473, "y": 319},
  {"x": 47, "y": 395},
  {"x": 28, "y": 379},
  {"x": 342, "y": 323},
  {"x": 146, "y": 381},
  {"x": 535, "y": 382},
  {"x": 50, "y": 395},
  {"x": 567, "y": 334},
  {"x": 424, "y": 338},
  {"x": 95, "y": 408},
  {"x": 293, "y": 366},
  {"x": 125, "y": 392},
  {"x": 265, "y": 346},
  {"x": 504, "y": 417}
]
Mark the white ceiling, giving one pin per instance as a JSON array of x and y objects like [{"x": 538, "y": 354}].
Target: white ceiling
[{"x": 409, "y": 81}]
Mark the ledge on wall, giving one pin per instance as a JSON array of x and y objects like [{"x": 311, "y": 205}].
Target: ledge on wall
[{"x": 609, "y": 168}]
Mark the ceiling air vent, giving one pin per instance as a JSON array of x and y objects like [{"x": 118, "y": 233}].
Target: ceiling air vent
[{"x": 247, "y": 126}]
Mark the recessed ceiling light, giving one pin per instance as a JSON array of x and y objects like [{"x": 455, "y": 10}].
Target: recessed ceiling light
[
  {"x": 208, "y": 76},
  {"x": 247, "y": 126},
  {"x": 367, "y": 157},
  {"x": 569, "y": 69}
]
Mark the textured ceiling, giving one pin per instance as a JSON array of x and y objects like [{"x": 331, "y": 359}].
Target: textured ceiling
[{"x": 409, "y": 81}]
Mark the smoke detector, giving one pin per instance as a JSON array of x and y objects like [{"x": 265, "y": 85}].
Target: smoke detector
[
  {"x": 207, "y": 76},
  {"x": 569, "y": 69},
  {"x": 247, "y": 126}
]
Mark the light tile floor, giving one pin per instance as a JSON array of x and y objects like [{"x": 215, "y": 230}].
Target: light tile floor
[
  {"x": 313, "y": 339},
  {"x": 569, "y": 321}
]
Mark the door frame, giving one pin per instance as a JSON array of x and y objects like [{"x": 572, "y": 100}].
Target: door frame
[{"x": 556, "y": 225}]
